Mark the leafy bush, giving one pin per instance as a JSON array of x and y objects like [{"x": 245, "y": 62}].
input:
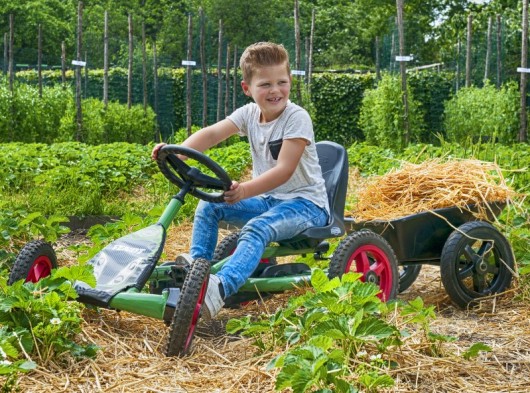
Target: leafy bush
[
  {"x": 26, "y": 117},
  {"x": 475, "y": 114},
  {"x": 115, "y": 124},
  {"x": 336, "y": 100},
  {"x": 382, "y": 116}
]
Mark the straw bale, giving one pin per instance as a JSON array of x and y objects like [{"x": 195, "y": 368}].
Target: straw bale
[{"x": 431, "y": 185}]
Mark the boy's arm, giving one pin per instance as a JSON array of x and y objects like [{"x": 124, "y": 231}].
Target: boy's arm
[
  {"x": 210, "y": 136},
  {"x": 206, "y": 137},
  {"x": 290, "y": 154}
]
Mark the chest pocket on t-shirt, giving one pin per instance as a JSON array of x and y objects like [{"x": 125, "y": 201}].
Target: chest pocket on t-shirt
[{"x": 275, "y": 147}]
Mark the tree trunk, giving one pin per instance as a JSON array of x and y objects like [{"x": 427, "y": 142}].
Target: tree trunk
[
  {"x": 129, "y": 73},
  {"x": 144, "y": 67},
  {"x": 499, "y": 53},
  {"x": 11, "y": 52},
  {"x": 6, "y": 49},
  {"x": 403, "y": 71},
  {"x": 234, "y": 81},
  {"x": 310, "y": 57},
  {"x": 155, "y": 91},
  {"x": 219, "y": 73},
  {"x": 39, "y": 60},
  {"x": 488, "y": 50},
  {"x": 189, "y": 76},
  {"x": 106, "y": 60},
  {"x": 377, "y": 59},
  {"x": 468, "y": 50},
  {"x": 63, "y": 64},
  {"x": 204, "y": 72},
  {"x": 297, "y": 49},
  {"x": 524, "y": 63},
  {"x": 79, "y": 111},
  {"x": 227, "y": 80}
]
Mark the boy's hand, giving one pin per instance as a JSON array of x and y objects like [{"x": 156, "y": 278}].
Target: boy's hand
[
  {"x": 156, "y": 149},
  {"x": 235, "y": 194}
]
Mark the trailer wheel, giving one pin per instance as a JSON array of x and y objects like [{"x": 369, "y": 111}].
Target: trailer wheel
[
  {"x": 188, "y": 309},
  {"x": 476, "y": 261},
  {"x": 34, "y": 262},
  {"x": 407, "y": 275},
  {"x": 370, "y": 254}
]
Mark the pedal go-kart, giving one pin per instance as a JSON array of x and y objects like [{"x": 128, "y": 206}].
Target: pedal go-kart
[{"x": 130, "y": 278}]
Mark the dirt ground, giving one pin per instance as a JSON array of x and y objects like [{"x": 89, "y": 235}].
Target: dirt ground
[{"x": 131, "y": 357}]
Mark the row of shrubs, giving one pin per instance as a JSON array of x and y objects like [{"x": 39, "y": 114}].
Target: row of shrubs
[
  {"x": 27, "y": 117},
  {"x": 346, "y": 108}
]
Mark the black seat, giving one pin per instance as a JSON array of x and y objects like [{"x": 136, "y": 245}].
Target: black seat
[{"x": 333, "y": 160}]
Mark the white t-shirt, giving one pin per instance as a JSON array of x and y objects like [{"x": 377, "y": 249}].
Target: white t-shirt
[{"x": 294, "y": 122}]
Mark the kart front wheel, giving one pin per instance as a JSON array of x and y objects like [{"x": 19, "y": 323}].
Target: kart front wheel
[
  {"x": 34, "y": 262},
  {"x": 367, "y": 253},
  {"x": 188, "y": 309}
]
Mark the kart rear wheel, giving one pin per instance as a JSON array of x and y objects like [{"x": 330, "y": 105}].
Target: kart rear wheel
[
  {"x": 188, "y": 309},
  {"x": 370, "y": 254},
  {"x": 34, "y": 262},
  {"x": 476, "y": 261},
  {"x": 407, "y": 275}
]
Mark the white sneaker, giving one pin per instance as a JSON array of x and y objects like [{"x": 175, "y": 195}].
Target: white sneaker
[{"x": 213, "y": 302}]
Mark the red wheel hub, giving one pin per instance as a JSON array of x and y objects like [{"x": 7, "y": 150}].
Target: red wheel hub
[
  {"x": 41, "y": 267},
  {"x": 375, "y": 267}
]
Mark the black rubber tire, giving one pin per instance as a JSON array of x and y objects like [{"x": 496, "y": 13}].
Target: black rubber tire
[
  {"x": 187, "y": 311},
  {"x": 476, "y": 261},
  {"x": 226, "y": 247},
  {"x": 372, "y": 249},
  {"x": 407, "y": 275},
  {"x": 34, "y": 262}
]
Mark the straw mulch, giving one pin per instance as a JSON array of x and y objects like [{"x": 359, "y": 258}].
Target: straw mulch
[
  {"x": 431, "y": 185},
  {"x": 132, "y": 360}
]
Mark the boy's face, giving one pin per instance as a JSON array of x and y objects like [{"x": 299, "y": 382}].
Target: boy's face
[{"x": 270, "y": 87}]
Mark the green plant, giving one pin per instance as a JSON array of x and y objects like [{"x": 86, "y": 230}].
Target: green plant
[
  {"x": 476, "y": 114},
  {"x": 39, "y": 323},
  {"x": 382, "y": 117},
  {"x": 328, "y": 333},
  {"x": 415, "y": 312}
]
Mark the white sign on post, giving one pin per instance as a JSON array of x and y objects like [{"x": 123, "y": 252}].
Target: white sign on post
[
  {"x": 404, "y": 58},
  {"x": 188, "y": 63},
  {"x": 297, "y": 72},
  {"x": 523, "y": 70},
  {"x": 79, "y": 63}
]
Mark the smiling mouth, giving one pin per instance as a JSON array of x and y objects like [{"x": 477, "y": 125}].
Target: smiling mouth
[{"x": 275, "y": 99}]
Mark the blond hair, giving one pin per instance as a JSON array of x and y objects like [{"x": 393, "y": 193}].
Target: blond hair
[{"x": 262, "y": 54}]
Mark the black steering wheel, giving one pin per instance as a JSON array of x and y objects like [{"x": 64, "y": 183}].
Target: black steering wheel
[{"x": 181, "y": 174}]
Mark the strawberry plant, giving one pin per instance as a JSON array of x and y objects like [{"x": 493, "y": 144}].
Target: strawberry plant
[
  {"x": 38, "y": 323},
  {"x": 328, "y": 332}
]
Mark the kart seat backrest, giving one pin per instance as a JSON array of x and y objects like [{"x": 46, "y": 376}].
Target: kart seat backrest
[{"x": 333, "y": 159}]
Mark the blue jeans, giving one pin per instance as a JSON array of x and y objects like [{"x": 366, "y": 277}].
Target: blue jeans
[{"x": 262, "y": 219}]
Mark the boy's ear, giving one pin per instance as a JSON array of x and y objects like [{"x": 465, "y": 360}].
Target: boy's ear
[{"x": 246, "y": 88}]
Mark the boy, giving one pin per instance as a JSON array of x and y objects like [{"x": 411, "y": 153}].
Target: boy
[{"x": 286, "y": 194}]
